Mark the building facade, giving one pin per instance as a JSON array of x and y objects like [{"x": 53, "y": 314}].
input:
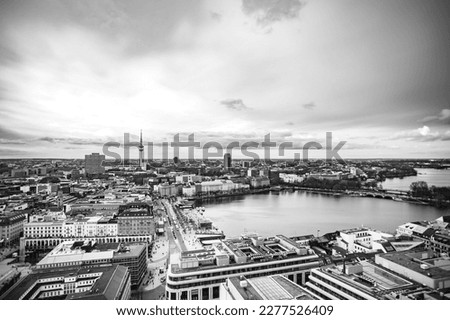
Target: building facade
[
  {"x": 200, "y": 273},
  {"x": 227, "y": 161},
  {"x": 88, "y": 253},
  {"x": 136, "y": 219},
  {"x": 11, "y": 227},
  {"x": 440, "y": 243},
  {"x": 111, "y": 282},
  {"x": 93, "y": 163}
]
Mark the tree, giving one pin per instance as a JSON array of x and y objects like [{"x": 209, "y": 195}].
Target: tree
[{"x": 420, "y": 189}]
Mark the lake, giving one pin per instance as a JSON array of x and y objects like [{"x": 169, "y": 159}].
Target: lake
[
  {"x": 439, "y": 178},
  {"x": 301, "y": 213}
]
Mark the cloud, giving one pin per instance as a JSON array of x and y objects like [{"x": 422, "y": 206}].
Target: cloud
[
  {"x": 361, "y": 146},
  {"x": 8, "y": 56},
  {"x": 234, "y": 104},
  {"x": 13, "y": 141},
  {"x": 48, "y": 139},
  {"x": 442, "y": 117},
  {"x": 267, "y": 12},
  {"x": 137, "y": 63},
  {"x": 11, "y": 153},
  {"x": 224, "y": 138},
  {"x": 309, "y": 106},
  {"x": 9, "y": 134},
  {"x": 423, "y": 134},
  {"x": 290, "y": 123},
  {"x": 215, "y": 16},
  {"x": 73, "y": 141}
]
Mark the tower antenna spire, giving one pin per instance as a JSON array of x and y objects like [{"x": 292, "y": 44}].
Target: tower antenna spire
[{"x": 141, "y": 152}]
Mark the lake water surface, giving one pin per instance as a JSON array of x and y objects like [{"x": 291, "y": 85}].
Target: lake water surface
[
  {"x": 300, "y": 213},
  {"x": 439, "y": 178}
]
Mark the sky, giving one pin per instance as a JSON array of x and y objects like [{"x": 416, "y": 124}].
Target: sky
[{"x": 77, "y": 74}]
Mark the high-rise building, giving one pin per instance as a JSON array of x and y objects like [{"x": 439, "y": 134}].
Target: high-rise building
[
  {"x": 93, "y": 163},
  {"x": 227, "y": 161},
  {"x": 141, "y": 154},
  {"x": 200, "y": 273}
]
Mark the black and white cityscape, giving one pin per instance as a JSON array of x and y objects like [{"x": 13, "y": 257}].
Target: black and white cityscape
[{"x": 224, "y": 150}]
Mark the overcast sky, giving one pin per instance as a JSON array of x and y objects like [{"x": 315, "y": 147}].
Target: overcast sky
[{"x": 76, "y": 74}]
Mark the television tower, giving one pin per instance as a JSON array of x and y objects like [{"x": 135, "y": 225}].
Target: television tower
[{"x": 141, "y": 153}]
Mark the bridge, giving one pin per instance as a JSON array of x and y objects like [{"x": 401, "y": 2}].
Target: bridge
[{"x": 381, "y": 194}]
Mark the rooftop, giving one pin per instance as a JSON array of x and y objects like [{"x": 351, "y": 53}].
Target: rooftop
[
  {"x": 84, "y": 251},
  {"x": 422, "y": 262},
  {"x": 230, "y": 252},
  {"x": 368, "y": 278},
  {"x": 269, "y": 288},
  {"x": 104, "y": 286}
]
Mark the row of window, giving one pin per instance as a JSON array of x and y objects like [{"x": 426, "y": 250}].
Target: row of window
[
  {"x": 337, "y": 286},
  {"x": 204, "y": 293},
  {"x": 221, "y": 280},
  {"x": 241, "y": 270}
]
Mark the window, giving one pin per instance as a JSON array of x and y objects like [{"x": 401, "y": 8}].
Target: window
[
  {"x": 216, "y": 292},
  {"x": 205, "y": 294}
]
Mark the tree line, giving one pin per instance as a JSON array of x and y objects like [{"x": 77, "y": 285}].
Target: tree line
[{"x": 441, "y": 195}]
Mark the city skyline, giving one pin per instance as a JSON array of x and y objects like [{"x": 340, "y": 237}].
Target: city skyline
[{"x": 75, "y": 75}]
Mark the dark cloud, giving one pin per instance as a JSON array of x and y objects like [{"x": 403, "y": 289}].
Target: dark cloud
[
  {"x": 290, "y": 123},
  {"x": 8, "y": 56},
  {"x": 74, "y": 141},
  {"x": 12, "y": 142},
  {"x": 225, "y": 138},
  {"x": 72, "y": 148},
  {"x": 83, "y": 142},
  {"x": 139, "y": 26},
  {"x": 267, "y": 12},
  {"x": 10, "y": 134},
  {"x": 309, "y": 106},
  {"x": 215, "y": 16},
  {"x": 48, "y": 139},
  {"x": 234, "y": 104},
  {"x": 442, "y": 117}
]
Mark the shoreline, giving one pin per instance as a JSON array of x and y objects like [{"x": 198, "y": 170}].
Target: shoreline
[{"x": 362, "y": 193}]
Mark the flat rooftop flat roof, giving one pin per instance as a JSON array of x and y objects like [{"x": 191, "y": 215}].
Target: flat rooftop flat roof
[
  {"x": 75, "y": 256},
  {"x": 412, "y": 261},
  {"x": 270, "y": 288},
  {"x": 133, "y": 250},
  {"x": 24, "y": 284},
  {"x": 65, "y": 252},
  {"x": 269, "y": 250},
  {"x": 373, "y": 280}
]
